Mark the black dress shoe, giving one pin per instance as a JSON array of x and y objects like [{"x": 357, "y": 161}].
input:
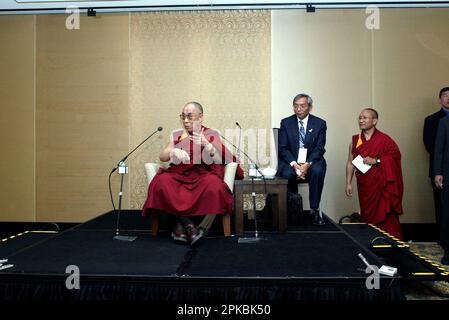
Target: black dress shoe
[
  {"x": 317, "y": 218},
  {"x": 445, "y": 259}
]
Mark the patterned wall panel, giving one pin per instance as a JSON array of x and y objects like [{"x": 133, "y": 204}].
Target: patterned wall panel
[{"x": 218, "y": 58}]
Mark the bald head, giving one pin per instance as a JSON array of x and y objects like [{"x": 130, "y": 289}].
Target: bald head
[
  {"x": 197, "y": 105},
  {"x": 372, "y": 112}
]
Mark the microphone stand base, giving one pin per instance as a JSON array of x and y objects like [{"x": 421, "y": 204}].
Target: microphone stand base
[
  {"x": 124, "y": 238},
  {"x": 249, "y": 240}
]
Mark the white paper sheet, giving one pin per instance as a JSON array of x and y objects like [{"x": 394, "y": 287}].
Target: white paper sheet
[{"x": 358, "y": 163}]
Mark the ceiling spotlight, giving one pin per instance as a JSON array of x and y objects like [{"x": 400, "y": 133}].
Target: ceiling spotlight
[
  {"x": 91, "y": 12},
  {"x": 310, "y": 8}
]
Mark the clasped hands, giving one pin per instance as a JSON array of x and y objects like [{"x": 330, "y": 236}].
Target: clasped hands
[{"x": 301, "y": 170}]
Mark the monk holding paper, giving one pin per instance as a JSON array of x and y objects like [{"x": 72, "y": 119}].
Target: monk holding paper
[{"x": 380, "y": 188}]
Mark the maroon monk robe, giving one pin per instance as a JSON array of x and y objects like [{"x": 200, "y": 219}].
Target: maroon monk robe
[
  {"x": 196, "y": 188},
  {"x": 381, "y": 188}
]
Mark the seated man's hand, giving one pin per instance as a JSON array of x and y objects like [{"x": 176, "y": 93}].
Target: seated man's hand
[
  {"x": 299, "y": 171},
  {"x": 304, "y": 168},
  {"x": 178, "y": 156}
]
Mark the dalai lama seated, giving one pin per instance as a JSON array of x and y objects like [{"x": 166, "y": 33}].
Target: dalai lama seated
[{"x": 193, "y": 183}]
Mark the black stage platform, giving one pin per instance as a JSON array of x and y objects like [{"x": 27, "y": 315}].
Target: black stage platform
[{"x": 306, "y": 263}]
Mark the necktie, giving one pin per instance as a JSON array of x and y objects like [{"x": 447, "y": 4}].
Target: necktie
[{"x": 302, "y": 134}]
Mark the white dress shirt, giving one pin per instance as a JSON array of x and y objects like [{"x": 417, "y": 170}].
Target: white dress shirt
[{"x": 304, "y": 121}]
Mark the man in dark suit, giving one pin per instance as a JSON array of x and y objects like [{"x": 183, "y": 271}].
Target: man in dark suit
[
  {"x": 302, "y": 138},
  {"x": 441, "y": 174},
  {"x": 429, "y": 136}
]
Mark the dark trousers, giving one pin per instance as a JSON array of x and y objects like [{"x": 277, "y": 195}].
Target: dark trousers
[
  {"x": 444, "y": 226},
  {"x": 437, "y": 203},
  {"x": 315, "y": 179}
]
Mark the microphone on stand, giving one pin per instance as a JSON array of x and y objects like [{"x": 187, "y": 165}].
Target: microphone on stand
[
  {"x": 240, "y": 140},
  {"x": 126, "y": 157},
  {"x": 245, "y": 154},
  {"x": 256, "y": 237},
  {"x": 123, "y": 169}
]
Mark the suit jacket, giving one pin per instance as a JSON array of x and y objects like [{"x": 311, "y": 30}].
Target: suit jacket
[
  {"x": 315, "y": 141},
  {"x": 430, "y": 134},
  {"x": 441, "y": 154}
]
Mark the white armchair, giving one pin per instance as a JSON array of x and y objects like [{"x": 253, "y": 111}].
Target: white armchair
[{"x": 229, "y": 176}]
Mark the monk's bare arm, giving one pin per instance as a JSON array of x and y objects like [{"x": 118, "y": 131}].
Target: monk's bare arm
[
  {"x": 164, "y": 156},
  {"x": 349, "y": 172}
]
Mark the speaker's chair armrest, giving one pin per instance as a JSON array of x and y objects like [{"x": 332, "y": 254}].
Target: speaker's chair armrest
[
  {"x": 229, "y": 174},
  {"x": 151, "y": 169}
]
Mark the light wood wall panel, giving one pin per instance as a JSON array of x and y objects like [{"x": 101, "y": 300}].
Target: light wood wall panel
[
  {"x": 218, "y": 58},
  {"x": 17, "y": 185},
  {"x": 327, "y": 55},
  {"x": 82, "y": 114},
  {"x": 411, "y": 65}
]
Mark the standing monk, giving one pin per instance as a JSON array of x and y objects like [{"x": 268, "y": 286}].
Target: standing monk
[{"x": 380, "y": 188}]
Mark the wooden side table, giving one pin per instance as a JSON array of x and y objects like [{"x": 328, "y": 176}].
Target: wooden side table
[{"x": 277, "y": 187}]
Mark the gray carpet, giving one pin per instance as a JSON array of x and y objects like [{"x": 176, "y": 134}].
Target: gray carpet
[{"x": 428, "y": 290}]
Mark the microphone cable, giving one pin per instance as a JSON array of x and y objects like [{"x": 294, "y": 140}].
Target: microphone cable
[{"x": 110, "y": 191}]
